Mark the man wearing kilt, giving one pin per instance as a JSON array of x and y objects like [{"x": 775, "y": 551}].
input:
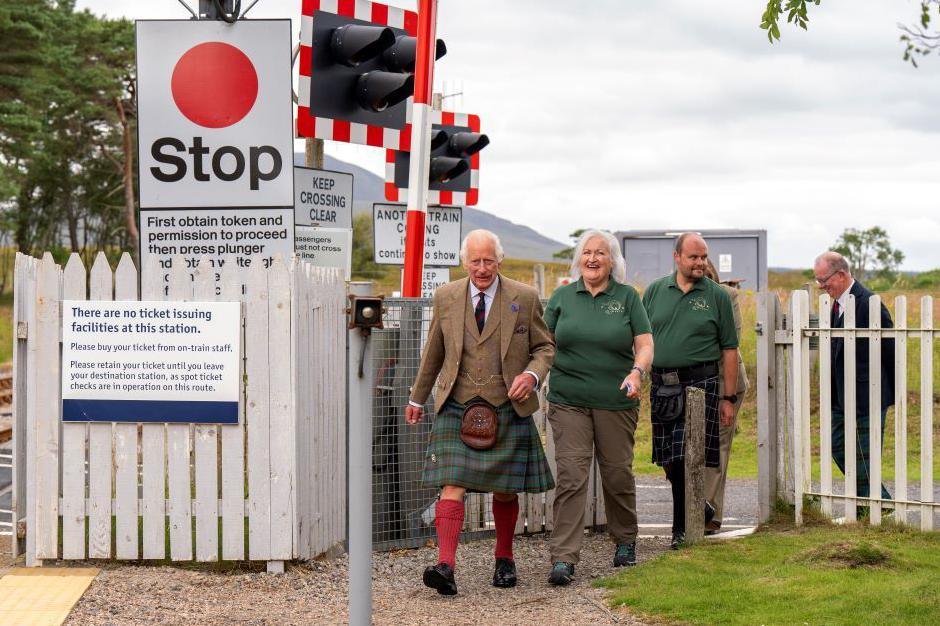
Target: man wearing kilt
[
  {"x": 487, "y": 346},
  {"x": 693, "y": 328}
]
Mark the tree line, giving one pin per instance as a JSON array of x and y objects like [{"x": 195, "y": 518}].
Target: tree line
[{"x": 67, "y": 129}]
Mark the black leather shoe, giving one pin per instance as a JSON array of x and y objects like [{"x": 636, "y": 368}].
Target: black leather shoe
[
  {"x": 504, "y": 575},
  {"x": 441, "y": 577},
  {"x": 678, "y": 539},
  {"x": 625, "y": 554},
  {"x": 561, "y": 574}
]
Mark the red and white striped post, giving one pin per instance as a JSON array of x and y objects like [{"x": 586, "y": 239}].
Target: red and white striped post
[{"x": 420, "y": 149}]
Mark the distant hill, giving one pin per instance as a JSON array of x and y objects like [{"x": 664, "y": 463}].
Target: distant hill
[{"x": 520, "y": 242}]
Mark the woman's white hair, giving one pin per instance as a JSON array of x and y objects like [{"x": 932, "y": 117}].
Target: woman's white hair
[
  {"x": 482, "y": 233},
  {"x": 618, "y": 269}
]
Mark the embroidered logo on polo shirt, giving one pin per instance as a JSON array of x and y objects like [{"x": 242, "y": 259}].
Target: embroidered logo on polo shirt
[
  {"x": 699, "y": 304},
  {"x": 613, "y": 307}
]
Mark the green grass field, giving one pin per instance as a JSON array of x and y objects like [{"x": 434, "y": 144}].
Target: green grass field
[{"x": 813, "y": 575}]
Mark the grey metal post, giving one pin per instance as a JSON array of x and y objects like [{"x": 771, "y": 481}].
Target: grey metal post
[
  {"x": 694, "y": 465},
  {"x": 359, "y": 494}
]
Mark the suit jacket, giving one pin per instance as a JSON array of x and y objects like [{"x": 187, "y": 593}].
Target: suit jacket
[
  {"x": 862, "y": 376},
  {"x": 524, "y": 340}
]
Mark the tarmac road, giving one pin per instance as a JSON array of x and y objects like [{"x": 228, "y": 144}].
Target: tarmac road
[{"x": 654, "y": 505}]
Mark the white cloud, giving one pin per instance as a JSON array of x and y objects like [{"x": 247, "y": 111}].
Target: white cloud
[{"x": 679, "y": 114}]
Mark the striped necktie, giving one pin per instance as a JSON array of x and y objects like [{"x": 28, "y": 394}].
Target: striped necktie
[{"x": 480, "y": 311}]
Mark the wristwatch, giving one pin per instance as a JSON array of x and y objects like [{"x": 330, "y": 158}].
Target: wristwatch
[
  {"x": 733, "y": 398},
  {"x": 640, "y": 370}
]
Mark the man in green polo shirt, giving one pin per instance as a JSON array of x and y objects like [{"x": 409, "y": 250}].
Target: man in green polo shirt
[{"x": 693, "y": 327}]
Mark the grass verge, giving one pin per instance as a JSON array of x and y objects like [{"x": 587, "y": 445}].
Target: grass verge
[{"x": 816, "y": 574}]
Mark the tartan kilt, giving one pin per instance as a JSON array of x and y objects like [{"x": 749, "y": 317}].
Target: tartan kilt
[
  {"x": 515, "y": 464},
  {"x": 669, "y": 436}
]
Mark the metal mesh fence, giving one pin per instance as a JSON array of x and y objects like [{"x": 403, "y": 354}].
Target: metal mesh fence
[{"x": 403, "y": 508}]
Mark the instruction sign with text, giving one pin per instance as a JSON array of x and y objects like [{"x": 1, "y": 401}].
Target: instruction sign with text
[
  {"x": 441, "y": 239},
  {"x": 322, "y": 198},
  {"x": 326, "y": 247},
  {"x": 150, "y": 361}
]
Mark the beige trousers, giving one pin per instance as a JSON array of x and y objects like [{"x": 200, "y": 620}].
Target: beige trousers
[
  {"x": 579, "y": 433},
  {"x": 715, "y": 477}
]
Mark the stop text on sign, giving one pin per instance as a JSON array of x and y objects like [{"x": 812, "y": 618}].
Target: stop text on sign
[{"x": 215, "y": 116}]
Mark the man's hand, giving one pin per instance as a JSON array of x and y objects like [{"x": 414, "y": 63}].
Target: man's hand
[
  {"x": 413, "y": 414},
  {"x": 726, "y": 412},
  {"x": 633, "y": 380},
  {"x": 522, "y": 387}
]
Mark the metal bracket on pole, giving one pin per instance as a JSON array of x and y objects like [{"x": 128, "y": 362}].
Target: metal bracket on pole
[{"x": 225, "y": 10}]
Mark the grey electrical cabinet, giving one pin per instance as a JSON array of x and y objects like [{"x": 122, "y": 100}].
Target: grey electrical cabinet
[{"x": 739, "y": 255}]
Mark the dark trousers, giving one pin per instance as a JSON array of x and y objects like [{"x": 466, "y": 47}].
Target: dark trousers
[
  {"x": 862, "y": 451},
  {"x": 675, "y": 472}
]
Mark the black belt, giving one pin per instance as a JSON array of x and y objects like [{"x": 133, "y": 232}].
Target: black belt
[{"x": 684, "y": 375}]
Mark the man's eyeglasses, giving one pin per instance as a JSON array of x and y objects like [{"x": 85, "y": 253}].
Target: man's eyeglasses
[{"x": 821, "y": 282}]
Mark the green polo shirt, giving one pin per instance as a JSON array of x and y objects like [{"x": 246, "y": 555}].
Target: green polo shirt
[
  {"x": 689, "y": 328},
  {"x": 594, "y": 344}
]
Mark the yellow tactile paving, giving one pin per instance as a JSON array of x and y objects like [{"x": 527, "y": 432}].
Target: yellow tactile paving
[{"x": 42, "y": 596}]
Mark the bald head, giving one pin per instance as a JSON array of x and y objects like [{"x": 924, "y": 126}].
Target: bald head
[
  {"x": 684, "y": 238},
  {"x": 833, "y": 262}
]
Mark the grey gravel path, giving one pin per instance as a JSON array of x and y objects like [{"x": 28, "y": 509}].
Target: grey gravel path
[{"x": 315, "y": 593}]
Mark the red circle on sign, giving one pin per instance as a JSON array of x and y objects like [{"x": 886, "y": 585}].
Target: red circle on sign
[{"x": 214, "y": 84}]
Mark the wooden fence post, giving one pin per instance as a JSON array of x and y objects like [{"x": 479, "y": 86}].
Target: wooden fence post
[
  {"x": 694, "y": 465},
  {"x": 766, "y": 404}
]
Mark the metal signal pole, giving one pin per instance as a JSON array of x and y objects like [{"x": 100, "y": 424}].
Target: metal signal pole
[{"x": 420, "y": 149}]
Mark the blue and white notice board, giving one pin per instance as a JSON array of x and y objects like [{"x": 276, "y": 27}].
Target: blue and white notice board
[{"x": 150, "y": 361}]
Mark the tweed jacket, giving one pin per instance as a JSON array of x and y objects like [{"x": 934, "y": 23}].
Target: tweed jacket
[{"x": 524, "y": 340}]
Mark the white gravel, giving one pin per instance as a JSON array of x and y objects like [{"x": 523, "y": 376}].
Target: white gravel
[{"x": 315, "y": 592}]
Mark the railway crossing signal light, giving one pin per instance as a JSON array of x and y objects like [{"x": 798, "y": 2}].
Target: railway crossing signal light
[
  {"x": 357, "y": 76},
  {"x": 454, "y": 164}
]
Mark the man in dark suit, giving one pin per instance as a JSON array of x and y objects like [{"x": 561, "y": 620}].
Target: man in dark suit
[{"x": 833, "y": 276}]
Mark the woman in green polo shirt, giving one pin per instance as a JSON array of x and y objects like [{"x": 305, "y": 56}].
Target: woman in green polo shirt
[{"x": 604, "y": 346}]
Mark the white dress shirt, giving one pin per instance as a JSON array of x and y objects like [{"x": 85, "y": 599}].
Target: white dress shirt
[
  {"x": 489, "y": 292},
  {"x": 844, "y": 298}
]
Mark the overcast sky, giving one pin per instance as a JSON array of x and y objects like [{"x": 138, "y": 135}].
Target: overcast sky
[{"x": 677, "y": 114}]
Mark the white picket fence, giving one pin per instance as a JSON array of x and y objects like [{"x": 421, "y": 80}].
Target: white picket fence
[
  {"x": 789, "y": 467},
  {"x": 268, "y": 489}
]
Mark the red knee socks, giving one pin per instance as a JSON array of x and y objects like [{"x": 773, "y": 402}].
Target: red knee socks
[
  {"x": 448, "y": 519},
  {"x": 504, "y": 515}
]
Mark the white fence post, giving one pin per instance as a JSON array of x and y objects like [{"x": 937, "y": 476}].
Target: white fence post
[
  {"x": 797, "y": 381},
  {"x": 849, "y": 408},
  {"x": 825, "y": 404},
  {"x": 900, "y": 408},
  {"x": 926, "y": 412},
  {"x": 101, "y": 288},
  {"x": 127, "y": 543},
  {"x": 153, "y": 451},
  {"x": 874, "y": 409},
  {"x": 74, "y": 436}
]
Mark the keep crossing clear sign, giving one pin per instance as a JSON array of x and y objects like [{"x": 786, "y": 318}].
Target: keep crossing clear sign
[{"x": 442, "y": 235}]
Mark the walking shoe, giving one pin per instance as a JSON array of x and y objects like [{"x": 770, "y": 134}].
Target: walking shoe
[
  {"x": 709, "y": 512},
  {"x": 561, "y": 574},
  {"x": 712, "y": 528},
  {"x": 625, "y": 554},
  {"x": 504, "y": 575},
  {"x": 678, "y": 539},
  {"x": 441, "y": 577}
]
